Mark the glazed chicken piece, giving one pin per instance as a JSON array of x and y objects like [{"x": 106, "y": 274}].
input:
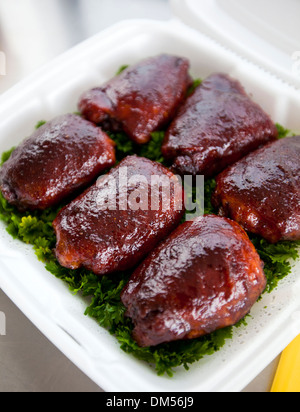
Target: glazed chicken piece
[
  {"x": 117, "y": 222},
  {"x": 61, "y": 157},
  {"x": 218, "y": 125},
  {"x": 262, "y": 191},
  {"x": 205, "y": 276},
  {"x": 142, "y": 99}
]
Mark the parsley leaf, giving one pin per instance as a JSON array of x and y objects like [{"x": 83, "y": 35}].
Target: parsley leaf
[
  {"x": 6, "y": 155},
  {"x": 121, "y": 69},
  {"x": 103, "y": 293},
  {"x": 126, "y": 147},
  {"x": 152, "y": 150},
  {"x": 193, "y": 87},
  {"x": 282, "y": 131},
  {"x": 40, "y": 124},
  {"x": 277, "y": 258}
]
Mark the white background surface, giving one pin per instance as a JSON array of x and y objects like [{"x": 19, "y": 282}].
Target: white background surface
[{"x": 33, "y": 32}]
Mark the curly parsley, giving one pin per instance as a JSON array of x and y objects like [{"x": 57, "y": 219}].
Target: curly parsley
[{"x": 105, "y": 305}]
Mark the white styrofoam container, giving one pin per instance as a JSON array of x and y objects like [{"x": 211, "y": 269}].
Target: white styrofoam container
[
  {"x": 47, "y": 302},
  {"x": 265, "y": 32}
]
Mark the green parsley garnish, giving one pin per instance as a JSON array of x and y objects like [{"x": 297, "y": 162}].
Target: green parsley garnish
[
  {"x": 105, "y": 306},
  {"x": 121, "y": 69},
  {"x": 40, "y": 124},
  {"x": 6, "y": 155},
  {"x": 282, "y": 131},
  {"x": 193, "y": 87}
]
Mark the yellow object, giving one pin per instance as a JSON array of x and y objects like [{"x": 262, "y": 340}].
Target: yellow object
[{"x": 287, "y": 378}]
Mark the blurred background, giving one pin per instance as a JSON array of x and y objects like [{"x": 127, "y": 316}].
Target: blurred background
[{"x": 33, "y": 32}]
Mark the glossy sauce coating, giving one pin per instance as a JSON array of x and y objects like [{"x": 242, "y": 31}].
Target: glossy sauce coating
[
  {"x": 142, "y": 99},
  {"x": 61, "y": 157},
  {"x": 111, "y": 227},
  {"x": 262, "y": 191},
  {"x": 218, "y": 125},
  {"x": 205, "y": 276}
]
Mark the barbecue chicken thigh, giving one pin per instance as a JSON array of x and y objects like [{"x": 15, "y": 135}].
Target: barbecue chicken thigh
[
  {"x": 61, "y": 157},
  {"x": 262, "y": 191},
  {"x": 205, "y": 276},
  {"x": 117, "y": 222},
  {"x": 218, "y": 125},
  {"x": 140, "y": 100}
]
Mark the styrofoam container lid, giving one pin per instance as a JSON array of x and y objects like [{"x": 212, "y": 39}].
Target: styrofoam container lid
[{"x": 265, "y": 32}]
